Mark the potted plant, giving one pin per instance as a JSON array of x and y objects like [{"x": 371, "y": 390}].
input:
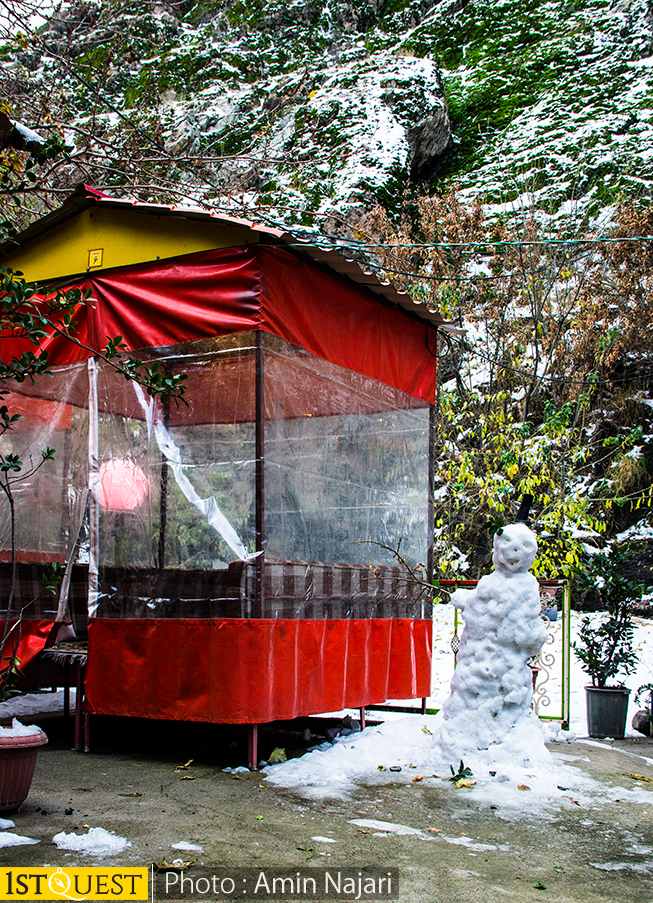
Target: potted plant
[
  {"x": 605, "y": 642},
  {"x": 643, "y": 719},
  {"x": 19, "y": 746}
]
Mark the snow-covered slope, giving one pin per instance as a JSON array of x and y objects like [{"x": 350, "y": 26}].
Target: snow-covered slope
[{"x": 329, "y": 105}]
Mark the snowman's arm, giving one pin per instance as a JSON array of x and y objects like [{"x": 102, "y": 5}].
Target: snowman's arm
[{"x": 460, "y": 597}]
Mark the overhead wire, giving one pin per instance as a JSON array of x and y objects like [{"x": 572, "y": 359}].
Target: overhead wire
[{"x": 355, "y": 243}]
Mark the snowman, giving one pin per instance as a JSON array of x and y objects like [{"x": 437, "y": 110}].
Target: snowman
[{"x": 491, "y": 690}]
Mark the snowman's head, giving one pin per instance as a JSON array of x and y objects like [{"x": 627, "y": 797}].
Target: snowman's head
[{"x": 515, "y": 548}]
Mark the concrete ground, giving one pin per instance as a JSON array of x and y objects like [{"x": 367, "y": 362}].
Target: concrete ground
[{"x": 132, "y": 784}]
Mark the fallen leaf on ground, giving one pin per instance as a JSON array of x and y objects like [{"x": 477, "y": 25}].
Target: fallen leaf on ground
[
  {"x": 277, "y": 756},
  {"x": 425, "y": 730},
  {"x": 187, "y": 777},
  {"x": 418, "y": 777},
  {"x": 182, "y": 767},
  {"x": 434, "y": 830},
  {"x": 640, "y": 777},
  {"x": 306, "y": 849},
  {"x": 381, "y": 768},
  {"x": 523, "y": 787},
  {"x": 465, "y": 782},
  {"x": 258, "y": 817},
  {"x": 539, "y": 886}
]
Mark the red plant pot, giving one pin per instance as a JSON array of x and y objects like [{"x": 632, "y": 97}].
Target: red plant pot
[{"x": 17, "y": 764}]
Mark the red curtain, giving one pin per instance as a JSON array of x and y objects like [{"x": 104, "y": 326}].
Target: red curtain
[
  {"x": 33, "y": 637},
  {"x": 214, "y": 293},
  {"x": 237, "y": 671}
]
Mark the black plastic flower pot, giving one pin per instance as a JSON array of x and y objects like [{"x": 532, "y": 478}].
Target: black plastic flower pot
[{"x": 607, "y": 708}]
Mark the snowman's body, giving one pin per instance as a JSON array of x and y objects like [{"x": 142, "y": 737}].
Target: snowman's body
[{"x": 491, "y": 690}]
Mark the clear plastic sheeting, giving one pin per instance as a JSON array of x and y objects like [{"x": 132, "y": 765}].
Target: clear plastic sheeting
[
  {"x": 345, "y": 473},
  {"x": 346, "y": 463},
  {"x": 49, "y": 500},
  {"x": 172, "y": 528},
  {"x": 176, "y": 484},
  {"x": 137, "y": 486}
]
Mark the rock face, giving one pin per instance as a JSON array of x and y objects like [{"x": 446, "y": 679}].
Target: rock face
[
  {"x": 327, "y": 106},
  {"x": 488, "y": 709},
  {"x": 428, "y": 140},
  {"x": 286, "y": 104}
]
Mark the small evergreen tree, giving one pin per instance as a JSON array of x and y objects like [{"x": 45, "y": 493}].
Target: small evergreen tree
[{"x": 605, "y": 644}]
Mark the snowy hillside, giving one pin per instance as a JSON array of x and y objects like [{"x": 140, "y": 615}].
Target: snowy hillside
[{"x": 329, "y": 105}]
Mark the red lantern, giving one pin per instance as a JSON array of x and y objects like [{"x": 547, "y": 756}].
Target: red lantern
[{"x": 122, "y": 485}]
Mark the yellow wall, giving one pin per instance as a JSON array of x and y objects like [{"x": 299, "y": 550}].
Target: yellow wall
[{"x": 120, "y": 237}]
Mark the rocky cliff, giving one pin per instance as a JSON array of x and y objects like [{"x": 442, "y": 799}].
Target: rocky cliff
[{"x": 305, "y": 107}]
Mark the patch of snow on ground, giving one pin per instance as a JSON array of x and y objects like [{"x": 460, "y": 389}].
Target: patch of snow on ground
[
  {"x": 408, "y": 742},
  {"x": 98, "y": 842},
  {"x": 184, "y": 845},
  {"x": 9, "y": 839},
  {"x": 335, "y": 770},
  {"x": 387, "y": 827},
  {"x": 34, "y": 704}
]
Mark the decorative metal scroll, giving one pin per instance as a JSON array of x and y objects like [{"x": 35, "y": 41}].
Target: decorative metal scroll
[{"x": 544, "y": 662}]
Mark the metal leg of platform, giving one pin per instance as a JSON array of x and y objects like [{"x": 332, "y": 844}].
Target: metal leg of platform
[
  {"x": 362, "y": 717},
  {"x": 66, "y": 690},
  {"x": 82, "y": 718},
  {"x": 252, "y": 745},
  {"x": 78, "y": 706}
]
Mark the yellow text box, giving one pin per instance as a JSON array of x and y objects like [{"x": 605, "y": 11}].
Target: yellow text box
[{"x": 76, "y": 884}]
